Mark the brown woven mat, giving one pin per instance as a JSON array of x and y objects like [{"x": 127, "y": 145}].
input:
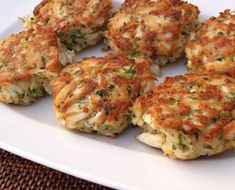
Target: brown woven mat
[{"x": 18, "y": 173}]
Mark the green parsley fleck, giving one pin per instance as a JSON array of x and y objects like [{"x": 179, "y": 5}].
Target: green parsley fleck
[
  {"x": 130, "y": 53},
  {"x": 43, "y": 62},
  {"x": 24, "y": 41},
  {"x": 101, "y": 93},
  {"x": 5, "y": 63},
  {"x": 106, "y": 110},
  {"x": 181, "y": 143},
  {"x": 220, "y": 33},
  {"x": 127, "y": 72},
  {"x": 70, "y": 94},
  {"x": 110, "y": 86},
  {"x": 224, "y": 114},
  {"x": 220, "y": 59},
  {"x": 35, "y": 93},
  {"x": 129, "y": 89}
]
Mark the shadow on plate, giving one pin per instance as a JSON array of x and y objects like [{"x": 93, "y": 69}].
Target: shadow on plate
[{"x": 42, "y": 111}]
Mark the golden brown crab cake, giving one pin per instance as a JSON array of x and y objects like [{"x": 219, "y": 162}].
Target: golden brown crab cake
[
  {"x": 211, "y": 47},
  {"x": 79, "y": 23},
  {"x": 28, "y": 61},
  {"x": 95, "y": 94},
  {"x": 152, "y": 28},
  {"x": 188, "y": 115}
]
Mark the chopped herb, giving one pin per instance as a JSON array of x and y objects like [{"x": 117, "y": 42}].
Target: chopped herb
[
  {"x": 214, "y": 120},
  {"x": 70, "y": 94},
  {"x": 181, "y": 143},
  {"x": 43, "y": 61},
  {"x": 173, "y": 147},
  {"x": 180, "y": 137},
  {"x": 82, "y": 98},
  {"x": 198, "y": 110},
  {"x": 197, "y": 136},
  {"x": 110, "y": 86},
  {"x": 106, "y": 110},
  {"x": 133, "y": 71},
  {"x": 149, "y": 95},
  {"x": 127, "y": 72},
  {"x": 232, "y": 97},
  {"x": 35, "y": 93},
  {"x": 101, "y": 93},
  {"x": 74, "y": 39},
  {"x": 221, "y": 33},
  {"x": 24, "y": 60},
  {"x": 131, "y": 53},
  {"x": 5, "y": 63},
  {"x": 197, "y": 85},
  {"x": 24, "y": 41},
  {"x": 173, "y": 99},
  {"x": 129, "y": 89},
  {"x": 67, "y": 82},
  {"x": 220, "y": 59},
  {"x": 224, "y": 114},
  {"x": 70, "y": 14},
  {"x": 112, "y": 14},
  {"x": 190, "y": 87}
]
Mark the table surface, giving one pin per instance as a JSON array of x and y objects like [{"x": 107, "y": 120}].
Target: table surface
[{"x": 19, "y": 173}]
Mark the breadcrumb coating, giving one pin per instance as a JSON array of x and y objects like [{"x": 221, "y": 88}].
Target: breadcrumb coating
[
  {"x": 95, "y": 94},
  {"x": 28, "y": 61},
  {"x": 188, "y": 116},
  {"x": 148, "y": 28},
  {"x": 78, "y": 23},
  {"x": 211, "y": 47}
]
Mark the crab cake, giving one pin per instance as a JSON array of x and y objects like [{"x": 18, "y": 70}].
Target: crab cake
[
  {"x": 79, "y": 23},
  {"x": 95, "y": 94},
  {"x": 188, "y": 115},
  {"x": 28, "y": 61},
  {"x": 152, "y": 28},
  {"x": 211, "y": 47}
]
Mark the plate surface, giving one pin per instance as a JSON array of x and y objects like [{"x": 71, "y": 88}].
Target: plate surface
[{"x": 123, "y": 163}]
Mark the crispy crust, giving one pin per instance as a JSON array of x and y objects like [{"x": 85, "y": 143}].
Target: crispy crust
[
  {"x": 200, "y": 108},
  {"x": 152, "y": 28},
  {"x": 28, "y": 61},
  {"x": 211, "y": 47},
  {"x": 95, "y": 94},
  {"x": 79, "y": 23},
  {"x": 29, "y": 52}
]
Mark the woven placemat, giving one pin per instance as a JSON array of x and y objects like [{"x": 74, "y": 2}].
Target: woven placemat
[{"x": 18, "y": 173}]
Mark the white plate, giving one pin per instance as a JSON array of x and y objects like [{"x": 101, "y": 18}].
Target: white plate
[{"x": 122, "y": 163}]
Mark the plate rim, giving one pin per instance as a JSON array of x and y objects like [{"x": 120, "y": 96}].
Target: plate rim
[{"x": 38, "y": 158}]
